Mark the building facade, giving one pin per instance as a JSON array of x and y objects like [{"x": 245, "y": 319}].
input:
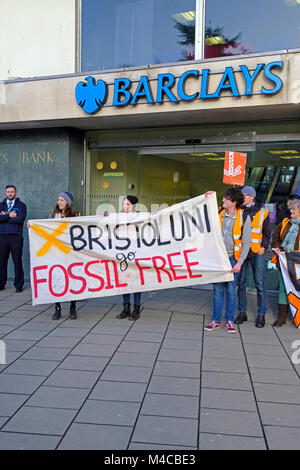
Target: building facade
[{"x": 110, "y": 97}]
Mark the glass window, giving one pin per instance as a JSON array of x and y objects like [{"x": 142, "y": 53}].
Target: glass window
[
  {"x": 239, "y": 27},
  {"x": 125, "y": 33}
]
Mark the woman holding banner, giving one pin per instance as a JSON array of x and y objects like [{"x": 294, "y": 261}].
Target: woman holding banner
[
  {"x": 63, "y": 209},
  {"x": 129, "y": 203},
  {"x": 286, "y": 238},
  {"x": 236, "y": 234}
]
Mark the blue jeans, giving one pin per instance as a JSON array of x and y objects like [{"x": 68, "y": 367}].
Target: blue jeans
[
  {"x": 220, "y": 289},
  {"x": 258, "y": 268},
  {"x": 136, "y": 298}
]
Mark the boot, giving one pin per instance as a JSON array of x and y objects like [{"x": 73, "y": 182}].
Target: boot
[
  {"x": 283, "y": 311},
  {"x": 72, "y": 312},
  {"x": 135, "y": 313},
  {"x": 125, "y": 312},
  {"x": 242, "y": 316},
  {"x": 57, "y": 314}
]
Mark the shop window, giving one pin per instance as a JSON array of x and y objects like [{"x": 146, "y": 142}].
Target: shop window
[
  {"x": 237, "y": 27},
  {"x": 126, "y": 33}
]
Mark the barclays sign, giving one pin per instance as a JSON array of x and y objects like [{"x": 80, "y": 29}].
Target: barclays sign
[{"x": 92, "y": 94}]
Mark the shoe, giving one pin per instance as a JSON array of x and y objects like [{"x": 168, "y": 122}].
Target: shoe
[
  {"x": 19, "y": 290},
  {"x": 135, "y": 313},
  {"x": 57, "y": 314},
  {"x": 242, "y": 316},
  {"x": 72, "y": 311},
  {"x": 229, "y": 327},
  {"x": 283, "y": 311},
  {"x": 214, "y": 325},
  {"x": 260, "y": 321},
  {"x": 126, "y": 312}
]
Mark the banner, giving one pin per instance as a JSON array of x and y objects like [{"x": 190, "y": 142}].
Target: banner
[
  {"x": 86, "y": 257},
  {"x": 234, "y": 168},
  {"x": 290, "y": 269}
]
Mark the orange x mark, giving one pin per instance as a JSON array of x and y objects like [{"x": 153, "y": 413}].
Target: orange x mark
[
  {"x": 295, "y": 302},
  {"x": 51, "y": 239}
]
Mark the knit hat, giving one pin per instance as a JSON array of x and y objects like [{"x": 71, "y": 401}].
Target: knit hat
[
  {"x": 249, "y": 191},
  {"x": 133, "y": 199},
  {"x": 67, "y": 196}
]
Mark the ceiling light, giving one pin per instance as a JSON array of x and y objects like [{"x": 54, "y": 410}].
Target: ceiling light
[
  {"x": 215, "y": 158},
  {"x": 279, "y": 152},
  {"x": 215, "y": 40},
  {"x": 204, "y": 154},
  {"x": 290, "y": 158},
  {"x": 185, "y": 16}
]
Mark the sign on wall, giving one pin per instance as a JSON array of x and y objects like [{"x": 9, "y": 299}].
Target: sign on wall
[
  {"x": 92, "y": 94},
  {"x": 86, "y": 257},
  {"x": 234, "y": 168}
]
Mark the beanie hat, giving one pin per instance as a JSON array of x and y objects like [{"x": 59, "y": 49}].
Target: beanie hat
[
  {"x": 133, "y": 199},
  {"x": 249, "y": 190},
  {"x": 67, "y": 196}
]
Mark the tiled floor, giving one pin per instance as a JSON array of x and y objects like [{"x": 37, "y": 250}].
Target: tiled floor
[{"x": 161, "y": 382}]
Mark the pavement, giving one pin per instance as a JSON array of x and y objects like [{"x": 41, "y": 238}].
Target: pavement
[{"x": 161, "y": 382}]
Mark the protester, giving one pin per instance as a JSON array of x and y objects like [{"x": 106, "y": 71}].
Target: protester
[
  {"x": 286, "y": 238},
  {"x": 284, "y": 212},
  {"x": 12, "y": 216},
  {"x": 129, "y": 203},
  {"x": 63, "y": 209},
  {"x": 260, "y": 239},
  {"x": 236, "y": 234}
]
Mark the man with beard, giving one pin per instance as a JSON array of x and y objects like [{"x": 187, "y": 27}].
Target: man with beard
[{"x": 12, "y": 217}]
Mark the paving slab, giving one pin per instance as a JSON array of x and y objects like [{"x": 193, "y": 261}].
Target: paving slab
[
  {"x": 96, "y": 437},
  {"x": 119, "y": 391},
  {"x": 19, "y": 441},
  {"x": 117, "y": 413},
  {"x": 32, "y": 420},
  {"x": 164, "y": 430}
]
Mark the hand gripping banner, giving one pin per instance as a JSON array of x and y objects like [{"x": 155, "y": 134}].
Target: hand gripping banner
[
  {"x": 290, "y": 269},
  {"x": 86, "y": 257}
]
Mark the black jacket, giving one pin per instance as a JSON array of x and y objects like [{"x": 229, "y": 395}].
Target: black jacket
[
  {"x": 12, "y": 225},
  {"x": 266, "y": 230}
]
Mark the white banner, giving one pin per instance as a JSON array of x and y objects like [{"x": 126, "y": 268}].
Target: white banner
[
  {"x": 290, "y": 269},
  {"x": 85, "y": 257}
]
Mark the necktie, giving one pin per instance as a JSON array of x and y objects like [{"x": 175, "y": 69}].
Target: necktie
[{"x": 10, "y": 204}]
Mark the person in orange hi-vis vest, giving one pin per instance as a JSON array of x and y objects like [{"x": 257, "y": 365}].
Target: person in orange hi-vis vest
[
  {"x": 286, "y": 238},
  {"x": 260, "y": 240},
  {"x": 236, "y": 234}
]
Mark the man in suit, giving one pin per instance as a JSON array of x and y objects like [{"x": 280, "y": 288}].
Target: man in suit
[{"x": 12, "y": 216}]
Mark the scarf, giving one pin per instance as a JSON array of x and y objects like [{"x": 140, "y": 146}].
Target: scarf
[{"x": 289, "y": 241}]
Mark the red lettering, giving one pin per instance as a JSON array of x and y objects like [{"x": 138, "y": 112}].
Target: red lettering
[
  {"x": 109, "y": 284},
  {"x": 95, "y": 276},
  {"x": 77, "y": 278},
  {"x": 189, "y": 264},
  {"x": 160, "y": 268},
  {"x": 173, "y": 266},
  {"x": 37, "y": 281},
  {"x": 137, "y": 262},
  {"x": 66, "y": 281},
  {"x": 118, "y": 284}
]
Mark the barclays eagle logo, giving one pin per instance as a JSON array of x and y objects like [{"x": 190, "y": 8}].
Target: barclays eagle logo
[{"x": 92, "y": 95}]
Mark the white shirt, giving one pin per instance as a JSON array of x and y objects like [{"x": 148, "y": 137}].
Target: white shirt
[{"x": 9, "y": 202}]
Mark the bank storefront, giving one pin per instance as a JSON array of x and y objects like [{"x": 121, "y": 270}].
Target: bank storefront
[{"x": 158, "y": 132}]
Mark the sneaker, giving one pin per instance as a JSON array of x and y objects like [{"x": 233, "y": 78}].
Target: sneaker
[
  {"x": 229, "y": 327},
  {"x": 214, "y": 325}
]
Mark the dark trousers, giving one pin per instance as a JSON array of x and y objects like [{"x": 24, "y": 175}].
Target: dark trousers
[{"x": 11, "y": 244}]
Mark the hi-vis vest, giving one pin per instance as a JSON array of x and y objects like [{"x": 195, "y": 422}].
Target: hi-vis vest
[
  {"x": 283, "y": 225},
  {"x": 256, "y": 229},
  {"x": 237, "y": 231}
]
